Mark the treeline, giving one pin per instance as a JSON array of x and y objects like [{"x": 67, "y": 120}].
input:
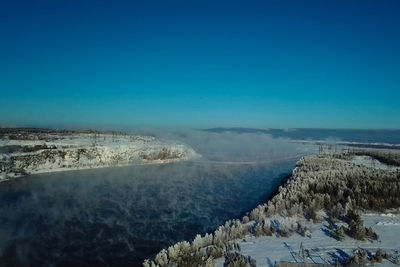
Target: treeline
[
  {"x": 324, "y": 182},
  {"x": 335, "y": 185}
]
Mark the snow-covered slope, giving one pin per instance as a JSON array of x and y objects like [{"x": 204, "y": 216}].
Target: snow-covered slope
[
  {"x": 49, "y": 152},
  {"x": 321, "y": 248}
]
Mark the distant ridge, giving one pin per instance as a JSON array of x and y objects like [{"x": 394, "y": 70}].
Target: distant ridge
[{"x": 237, "y": 130}]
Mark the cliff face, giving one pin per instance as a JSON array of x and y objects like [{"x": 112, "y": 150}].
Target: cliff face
[{"x": 65, "y": 151}]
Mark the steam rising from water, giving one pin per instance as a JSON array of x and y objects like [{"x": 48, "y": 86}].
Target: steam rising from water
[
  {"x": 119, "y": 216},
  {"x": 232, "y": 146}
]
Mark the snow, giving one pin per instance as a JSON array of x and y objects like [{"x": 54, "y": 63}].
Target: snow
[
  {"x": 323, "y": 248},
  {"x": 59, "y": 152},
  {"x": 372, "y": 163},
  {"x": 346, "y": 143}
]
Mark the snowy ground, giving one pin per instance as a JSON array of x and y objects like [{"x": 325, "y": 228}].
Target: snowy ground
[
  {"x": 371, "y": 162},
  {"x": 338, "y": 145},
  {"x": 59, "y": 151},
  {"x": 322, "y": 247}
]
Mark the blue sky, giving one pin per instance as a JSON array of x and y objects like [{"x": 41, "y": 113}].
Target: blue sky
[{"x": 329, "y": 64}]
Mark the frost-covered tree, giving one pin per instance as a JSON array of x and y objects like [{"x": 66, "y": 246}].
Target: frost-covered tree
[
  {"x": 339, "y": 233},
  {"x": 162, "y": 258},
  {"x": 197, "y": 242}
]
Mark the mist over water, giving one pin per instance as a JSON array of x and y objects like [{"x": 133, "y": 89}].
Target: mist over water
[
  {"x": 120, "y": 216},
  {"x": 231, "y": 146}
]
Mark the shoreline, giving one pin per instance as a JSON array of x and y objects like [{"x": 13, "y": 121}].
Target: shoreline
[{"x": 49, "y": 171}]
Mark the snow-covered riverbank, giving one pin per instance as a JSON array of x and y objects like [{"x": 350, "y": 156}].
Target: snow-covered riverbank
[
  {"x": 31, "y": 153},
  {"x": 319, "y": 247},
  {"x": 332, "y": 210}
]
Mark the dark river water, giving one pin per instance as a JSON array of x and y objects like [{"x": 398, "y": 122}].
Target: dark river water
[{"x": 120, "y": 216}]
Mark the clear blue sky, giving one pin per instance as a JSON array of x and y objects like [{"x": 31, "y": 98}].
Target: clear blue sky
[{"x": 277, "y": 63}]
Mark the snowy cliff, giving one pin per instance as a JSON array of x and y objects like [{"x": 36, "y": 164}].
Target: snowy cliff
[{"x": 30, "y": 152}]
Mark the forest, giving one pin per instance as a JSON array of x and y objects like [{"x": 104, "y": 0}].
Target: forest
[{"x": 327, "y": 185}]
